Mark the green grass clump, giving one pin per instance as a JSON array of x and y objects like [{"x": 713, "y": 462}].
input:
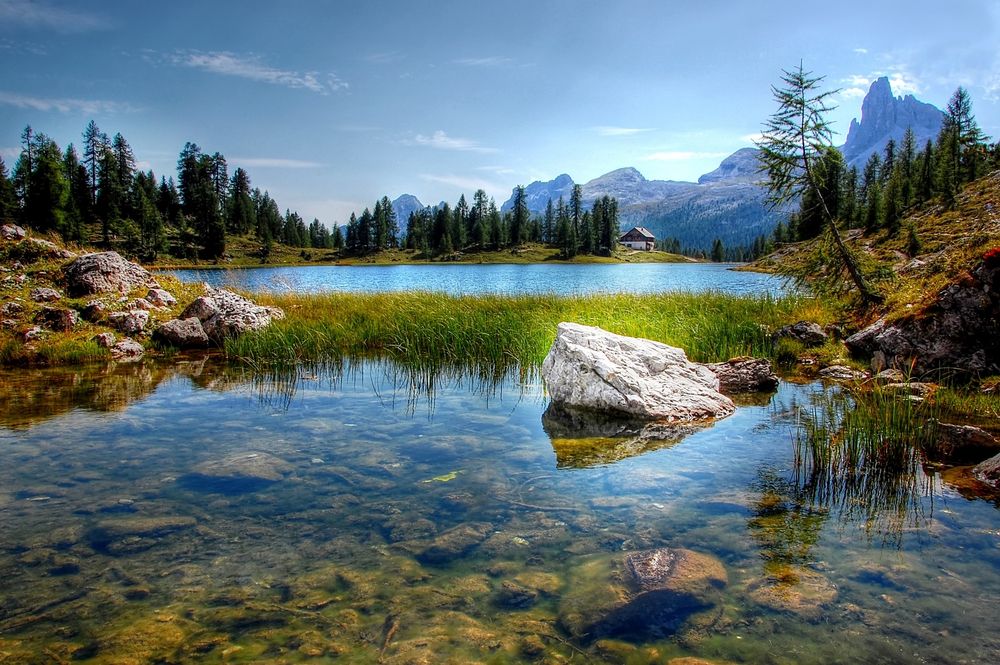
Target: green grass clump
[
  {"x": 860, "y": 451},
  {"x": 506, "y": 332}
]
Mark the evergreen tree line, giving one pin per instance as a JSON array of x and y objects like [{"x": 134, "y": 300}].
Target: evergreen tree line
[
  {"x": 719, "y": 253},
  {"x": 904, "y": 175},
  {"x": 101, "y": 197},
  {"x": 444, "y": 229}
]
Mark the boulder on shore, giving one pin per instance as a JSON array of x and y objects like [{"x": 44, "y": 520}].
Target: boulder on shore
[
  {"x": 647, "y": 593},
  {"x": 104, "y": 272},
  {"x": 963, "y": 444},
  {"x": 988, "y": 472},
  {"x": 225, "y": 314},
  {"x": 590, "y": 368},
  {"x": 745, "y": 375},
  {"x": 182, "y": 333}
]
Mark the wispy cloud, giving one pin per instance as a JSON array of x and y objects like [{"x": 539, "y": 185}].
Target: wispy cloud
[
  {"x": 465, "y": 183},
  {"x": 9, "y": 153},
  {"x": 442, "y": 141},
  {"x": 489, "y": 61},
  {"x": 752, "y": 138},
  {"x": 41, "y": 14},
  {"x": 64, "y": 104},
  {"x": 253, "y": 68},
  {"x": 275, "y": 163},
  {"x": 607, "y": 130},
  {"x": 682, "y": 155},
  {"x": 383, "y": 58},
  {"x": 861, "y": 51},
  {"x": 497, "y": 170},
  {"x": 852, "y": 93}
]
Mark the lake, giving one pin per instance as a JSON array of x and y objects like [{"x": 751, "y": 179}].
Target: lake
[
  {"x": 193, "y": 512},
  {"x": 572, "y": 278}
]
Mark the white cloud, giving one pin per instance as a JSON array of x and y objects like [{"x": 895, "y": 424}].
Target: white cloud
[
  {"x": 384, "y": 58},
  {"x": 251, "y": 67},
  {"x": 10, "y": 153},
  {"x": 40, "y": 14},
  {"x": 442, "y": 141},
  {"x": 752, "y": 138},
  {"x": 498, "y": 170},
  {"x": 491, "y": 61},
  {"x": 682, "y": 155},
  {"x": 607, "y": 130},
  {"x": 861, "y": 51},
  {"x": 274, "y": 163},
  {"x": 64, "y": 104},
  {"x": 852, "y": 93}
]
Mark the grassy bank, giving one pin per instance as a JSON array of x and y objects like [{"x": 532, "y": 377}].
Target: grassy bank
[
  {"x": 504, "y": 332},
  {"x": 245, "y": 253}
]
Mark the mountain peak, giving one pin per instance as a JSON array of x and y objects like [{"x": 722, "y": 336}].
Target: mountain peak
[{"x": 885, "y": 117}]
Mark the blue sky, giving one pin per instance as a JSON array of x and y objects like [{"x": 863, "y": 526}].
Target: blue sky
[{"x": 330, "y": 105}]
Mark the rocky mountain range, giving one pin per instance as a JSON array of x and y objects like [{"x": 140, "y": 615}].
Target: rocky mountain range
[
  {"x": 729, "y": 202},
  {"x": 885, "y": 117}
]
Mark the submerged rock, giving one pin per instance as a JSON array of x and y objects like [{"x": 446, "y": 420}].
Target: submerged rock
[
  {"x": 225, "y": 314},
  {"x": 745, "y": 375},
  {"x": 243, "y": 472},
  {"x": 647, "y": 593},
  {"x": 583, "y": 438},
  {"x": 794, "y": 589},
  {"x": 104, "y": 272},
  {"x": 454, "y": 543},
  {"x": 590, "y": 368}
]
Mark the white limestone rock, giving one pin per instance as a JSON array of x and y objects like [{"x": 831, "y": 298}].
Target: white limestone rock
[{"x": 590, "y": 368}]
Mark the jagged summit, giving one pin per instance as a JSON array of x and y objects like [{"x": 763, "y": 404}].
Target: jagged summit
[{"x": 885, "y": 117}]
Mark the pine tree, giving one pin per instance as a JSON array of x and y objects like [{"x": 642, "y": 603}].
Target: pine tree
[
  {"x": 519, "y": 217},
  {"x": 576, "y": 210},
  {"x": 241, "y": 213},
  {"x": 366, "y": 231},
  {"x": 95, "y": 143},
  {"x": 969, "y": 136},
  {"x": 78, "y": 201},
  {"x": 925, "y": 181},
  {"x": 796, "y": 138},
  {"x": 718, "y": 253},
  {"x": 8, "y": 203},
  {"x": 549, "y": 222},
  {"x": 460, "y": 223},
  {"x": 478, "y": 219}
]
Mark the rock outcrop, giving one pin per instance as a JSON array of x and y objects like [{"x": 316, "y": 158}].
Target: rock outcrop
[
  {"x": 959, "y": 332},
  {"x": 57, "y": 319},
  {"x": 104, "y": 272},
  {"x": 131, "y": 322},
  {"x": 225, "y": 314},
  {"x": 590, "y": 368},
  {"x": 647, "y": 593},
  {"x": 12, "y": 232},
  {"x": 964, "y": 444}
]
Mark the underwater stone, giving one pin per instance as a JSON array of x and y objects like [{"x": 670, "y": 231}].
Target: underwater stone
[
  {"x": 590, "y": 368},
  {"x": 647, "y": 593},
  {"x": 795, "y": 589},
  {"x": 237, "y": 474},
  {"x": 454, "y": 543}
]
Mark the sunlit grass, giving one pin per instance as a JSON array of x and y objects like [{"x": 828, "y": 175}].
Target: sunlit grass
[{"x": 506, "y": 331}]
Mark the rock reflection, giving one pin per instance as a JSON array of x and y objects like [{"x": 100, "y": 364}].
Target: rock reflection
[{"x": 583, "y": 439}]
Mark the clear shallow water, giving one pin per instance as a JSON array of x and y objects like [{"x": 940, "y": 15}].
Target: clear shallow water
[
  {"x": 381, "y": 522},
  {"x": 497, "y": 278}
]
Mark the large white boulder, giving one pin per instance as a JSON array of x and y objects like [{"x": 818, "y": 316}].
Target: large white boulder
[
  {"x": 226, "y": 314},
  {"x": 590, "y": 368}
]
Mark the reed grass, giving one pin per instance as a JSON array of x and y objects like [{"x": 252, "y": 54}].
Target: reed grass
[
  {"x": 861, "y": 451},
  {"x": 498, "y": 333}
]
